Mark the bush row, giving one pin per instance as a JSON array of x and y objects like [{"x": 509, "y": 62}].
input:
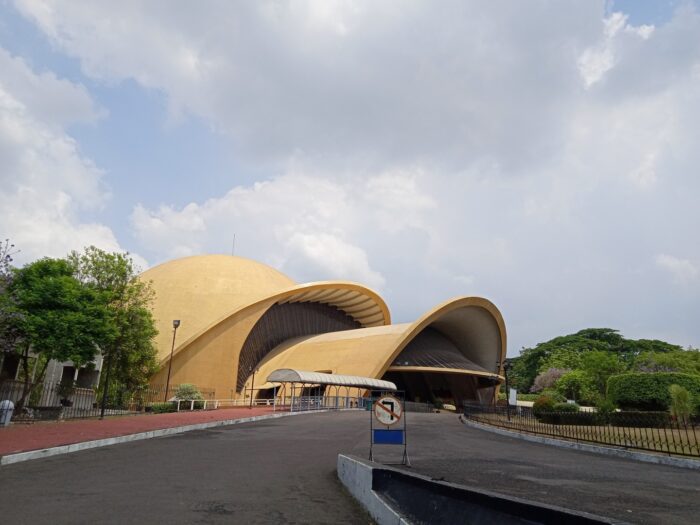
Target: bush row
[
  {"x": 162, "y": 408},
  {"x": 643, "y": 391}
]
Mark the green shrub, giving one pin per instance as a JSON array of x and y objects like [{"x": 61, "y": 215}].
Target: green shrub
[
  {"x": 528, "y": 397},
  {"x": 604, "y": 407},
  {"x": 564, "y": 414},
  {"x": 188, "y": 391},
  {"x": 681, "y": 403},
  {"x": 553, "y": 395},
  {"x": 640, "y": 419},
  {"x": 161, "y": 408},
  {"x": 640, "y": 391},
  {"x": 543, "y": 405},
  {"x": 571, "y": 408},
  {"x": 521, "y": 397},
  {"x": 579, "y": 386}
]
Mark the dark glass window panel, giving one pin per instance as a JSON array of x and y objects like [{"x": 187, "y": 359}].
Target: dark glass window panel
[
  {"x": 287, "y": 321},
  {"x": 433, "y": 349}
]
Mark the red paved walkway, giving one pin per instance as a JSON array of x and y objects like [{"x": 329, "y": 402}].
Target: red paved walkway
[{"x": 21, "y": 438}]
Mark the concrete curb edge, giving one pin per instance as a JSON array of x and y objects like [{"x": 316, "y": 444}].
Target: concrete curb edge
[
  {"x": 584, "y": 447},
  {"x": 85, "y": 445},
  {"x": 356, "y": 477}
]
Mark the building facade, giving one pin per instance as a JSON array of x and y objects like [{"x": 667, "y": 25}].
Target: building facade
[{"x": 240, "y": 320}]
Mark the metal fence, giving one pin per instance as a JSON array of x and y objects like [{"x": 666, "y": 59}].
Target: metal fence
[
  {"x": 48, "y": 401},
  {"x": 414, "y": 406},
  {"x": 53, "y": 401},
  {"x": 650, "y": 431}
]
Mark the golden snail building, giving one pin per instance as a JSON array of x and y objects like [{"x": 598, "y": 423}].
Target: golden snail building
[{"x": 240, "y": 317}]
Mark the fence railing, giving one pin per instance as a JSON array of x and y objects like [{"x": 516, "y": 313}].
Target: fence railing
[
  {"x": 53, "y": 401},
  {"x": 49, "y": 401},
  {"x": 414, "y": 406},
  {"x": 649, "y": 431}
]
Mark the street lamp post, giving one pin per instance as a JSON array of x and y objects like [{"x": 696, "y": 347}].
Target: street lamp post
[
  {"x": 252, "y": 386},
  {"x": 176, "y": 323},
  {"x": 506, "y": 367}
]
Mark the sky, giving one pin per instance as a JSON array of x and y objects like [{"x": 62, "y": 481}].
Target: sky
[{"x": 542, "y": 154}]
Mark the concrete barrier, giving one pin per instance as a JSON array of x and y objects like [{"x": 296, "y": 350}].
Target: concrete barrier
[{"x": 396, "y": 497}]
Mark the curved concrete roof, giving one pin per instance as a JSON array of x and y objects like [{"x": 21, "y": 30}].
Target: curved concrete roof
[
  {"x": 473, "y": 322},
  {"x": 203, "y": 288},
  {"x": 220, "y": 298},
  {"x": 361, "y": 303}
]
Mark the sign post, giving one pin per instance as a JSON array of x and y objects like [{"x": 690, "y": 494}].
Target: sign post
[{"x": 389, "y": 417}]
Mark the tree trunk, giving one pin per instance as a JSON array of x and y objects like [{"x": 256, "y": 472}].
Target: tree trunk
[
  {"x": 26, "y": 387},
  {"x": 105, "y": 387}
]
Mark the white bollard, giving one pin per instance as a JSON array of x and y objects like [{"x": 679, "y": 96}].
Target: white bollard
[{"x": 7, "y": 407}]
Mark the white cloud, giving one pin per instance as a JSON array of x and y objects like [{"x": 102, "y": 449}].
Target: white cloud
[
  {"x": 534, "y": 153},
  {"x": 597, "y": 60},
  {"x": 310, "y": 218},
  {"x": 682, "y": 271},
  {"x": 45, "y": 182},
  {"x": 54, "y": 101},
  {"x": 333, "y": 256}
]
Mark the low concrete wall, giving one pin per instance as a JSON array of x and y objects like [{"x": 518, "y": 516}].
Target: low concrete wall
[
  {"x": 357, "y": 476},
  {"x": 393, "y": 496}
]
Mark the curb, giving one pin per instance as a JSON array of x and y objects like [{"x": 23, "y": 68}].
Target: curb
[
  {"x": 356, "y": 477},
  {"x": 396, "y": 497},
  {"x": 670, "y": 461},
  {"x": 105, "y": 442}
]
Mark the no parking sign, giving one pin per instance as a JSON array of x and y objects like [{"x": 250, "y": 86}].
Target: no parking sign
[{"x": 387, "y": 411}]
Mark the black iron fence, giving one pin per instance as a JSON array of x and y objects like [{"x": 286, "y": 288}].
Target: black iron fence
[
  {"x": 49, "y": 401},
  {"x": 649, "y": 431}
]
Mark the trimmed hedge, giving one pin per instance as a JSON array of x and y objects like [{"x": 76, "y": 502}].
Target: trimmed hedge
[
  {"x": 528, "y": 397},
  {"x": 521, "y": 397},
  {"x": 639, "y": 419},
  {"x": 570, "y": 408},
  {"x": 643, "y": 391},
  {"x": 615, "y": 419},
  {"x": 161, "y": 408}
]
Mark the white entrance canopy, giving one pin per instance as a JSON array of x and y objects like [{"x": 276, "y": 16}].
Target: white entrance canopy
[{"x": 288, "y": 375}]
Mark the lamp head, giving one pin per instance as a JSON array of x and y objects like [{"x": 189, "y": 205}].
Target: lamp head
[{"x": 176, "y": 323}]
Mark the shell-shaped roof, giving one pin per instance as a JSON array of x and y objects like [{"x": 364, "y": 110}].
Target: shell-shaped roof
[
  {"x": 202, "y": 288},
  {"x": 473, "y": 323}
]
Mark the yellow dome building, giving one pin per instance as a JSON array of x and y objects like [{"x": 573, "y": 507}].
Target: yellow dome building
[{"x": 240, "y": 317}]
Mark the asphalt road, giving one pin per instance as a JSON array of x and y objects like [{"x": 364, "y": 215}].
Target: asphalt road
[{"x": 283, "y": 471}]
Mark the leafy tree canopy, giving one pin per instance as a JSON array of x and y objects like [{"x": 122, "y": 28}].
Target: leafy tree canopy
[
  {"x": 48, "y": 313},
  {"x": 132, "y": 353},
  {"x": 687, "y": 362},
  {"x": 60, "y": 318},
  {"x": 568, "y": 352}
]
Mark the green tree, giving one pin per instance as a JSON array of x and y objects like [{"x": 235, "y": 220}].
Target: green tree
[
  {"x": 565, "y": 357},
  {"x": 681, "y": 403},
  {"x": 687, "y": 361},
  {"x": 579, "y": 386},
  {"x": 56, "y": 316},
  {"x": 568, "y": 352},
  {"x": 10, "y": 333},
  {"x": 130, "y": 356},
  {"x": 599, "y": 366}
]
